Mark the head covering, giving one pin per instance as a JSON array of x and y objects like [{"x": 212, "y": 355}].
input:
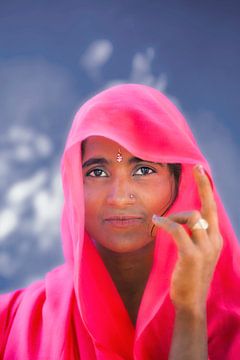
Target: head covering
[{"x": 76, "y": 311}]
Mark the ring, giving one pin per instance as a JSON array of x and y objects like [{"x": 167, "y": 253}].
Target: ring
[{"x": 201, "y": 224}]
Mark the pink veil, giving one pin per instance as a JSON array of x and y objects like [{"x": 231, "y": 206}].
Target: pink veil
[{"x": 76, "y": 311}]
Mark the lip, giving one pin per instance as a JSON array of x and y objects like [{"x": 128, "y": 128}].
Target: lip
[{"x": 123, "y": 221}]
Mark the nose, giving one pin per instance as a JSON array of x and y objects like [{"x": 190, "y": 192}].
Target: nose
[{"x": 120, "y": 193}]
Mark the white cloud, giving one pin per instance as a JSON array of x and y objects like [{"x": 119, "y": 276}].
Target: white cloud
[
  {"x": 25, "y": 144},
  {"x": 23, "y": 153},
  {"x": 96, "y": 55},
  {"x": 47, "y": 205},
  {"x": 8, "y": 222},
  {"x": 18, "y": 134},
  {"x": 41, "y": 198},
  {"x": 141, "y": 73},
  {"x": 21, "y": 191},
  {"x": 43, "y": 145},
  {"x": 34, "y": 96}
]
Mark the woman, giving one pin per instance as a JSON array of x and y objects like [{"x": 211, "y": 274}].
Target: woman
[{"x": 152, "y": 263}]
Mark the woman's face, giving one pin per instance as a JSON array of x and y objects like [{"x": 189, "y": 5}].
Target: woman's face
[{"x": 121, "y": 197}]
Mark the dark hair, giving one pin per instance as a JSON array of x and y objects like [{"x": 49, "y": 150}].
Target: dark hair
[{"x": 176, "y": 170}]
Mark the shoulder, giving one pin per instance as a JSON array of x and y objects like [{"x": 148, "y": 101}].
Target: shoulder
[
  {"x": 12, "y": 302},
  {"x": 23, "y": 309}
]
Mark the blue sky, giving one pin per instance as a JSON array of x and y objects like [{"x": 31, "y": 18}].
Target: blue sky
[{"x": 55, "y": 54}]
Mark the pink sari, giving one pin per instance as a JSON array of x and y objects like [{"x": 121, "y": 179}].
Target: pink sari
[{"x": 76, "y": 311}]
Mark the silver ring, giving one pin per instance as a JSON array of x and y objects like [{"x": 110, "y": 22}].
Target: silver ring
[{"x": 201, "y": 224}]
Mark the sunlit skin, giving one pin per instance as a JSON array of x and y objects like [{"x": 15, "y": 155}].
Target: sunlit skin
[
  {"x": 198, "y": 254},
  {"x": 126, "y": 246},
  {"x": 121, "y": 197},
  {"x": 120, "y": 225}
]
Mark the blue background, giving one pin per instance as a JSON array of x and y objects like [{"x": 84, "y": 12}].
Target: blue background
[{"x": 56, "y": 54}]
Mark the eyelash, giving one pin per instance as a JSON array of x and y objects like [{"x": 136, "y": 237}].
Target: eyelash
[
  {"x": 145, "y": 167},
  {"x": 102, "y": 171},
  {"x": 92, "y": 171}
]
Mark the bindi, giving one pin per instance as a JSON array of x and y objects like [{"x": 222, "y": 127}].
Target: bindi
[{"x": 119, "y": 156}]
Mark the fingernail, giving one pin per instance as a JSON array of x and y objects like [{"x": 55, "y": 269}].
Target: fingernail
[
  {"x": 200, "y": 169},
  {"x": 157, "y": 219}
]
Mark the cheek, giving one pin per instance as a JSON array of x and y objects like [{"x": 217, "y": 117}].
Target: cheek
[
  {"x": 159, "y": 194},
  {"x": 90, "y": 200},
  {"x": 90, "y": 212},
  {"x": 93, "y": 202}
]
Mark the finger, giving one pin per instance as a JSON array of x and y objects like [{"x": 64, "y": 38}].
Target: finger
[
  {"x": 208, "y": 204},
  {"x": 179, "y": 234},
  {"x": 190, "y": 218}
]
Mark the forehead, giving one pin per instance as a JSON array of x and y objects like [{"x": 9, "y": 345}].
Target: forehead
[{"x": 99, "y": 145}]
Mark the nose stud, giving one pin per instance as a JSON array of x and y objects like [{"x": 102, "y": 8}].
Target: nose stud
[
  {"x": 131, "y": 196},
  {"x": 119, "y": 156}
]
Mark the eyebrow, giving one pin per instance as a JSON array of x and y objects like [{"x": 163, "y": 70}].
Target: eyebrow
[
  {"x": 95, "y": 161},
  {"x": 103, "y": 161}
]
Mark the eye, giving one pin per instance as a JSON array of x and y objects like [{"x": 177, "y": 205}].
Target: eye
[
  {"x": 96, "y": 173},
  {"x": 144, "y": 170}
]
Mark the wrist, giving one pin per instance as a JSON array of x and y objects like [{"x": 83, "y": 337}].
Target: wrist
[{"x": 193, "y": 312}]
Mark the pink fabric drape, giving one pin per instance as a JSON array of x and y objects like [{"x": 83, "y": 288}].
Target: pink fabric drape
[{"x": 76, "y": 311}]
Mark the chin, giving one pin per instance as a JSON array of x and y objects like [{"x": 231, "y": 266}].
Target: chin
[{"x": 124, "y": 246}]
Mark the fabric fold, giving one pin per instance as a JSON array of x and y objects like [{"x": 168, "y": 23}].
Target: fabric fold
[{"x": 76, "y": 311}]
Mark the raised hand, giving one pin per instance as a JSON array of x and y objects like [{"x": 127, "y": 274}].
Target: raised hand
[{"x": 198, "y": 252}]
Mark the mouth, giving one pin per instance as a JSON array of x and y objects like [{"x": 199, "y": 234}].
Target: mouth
[{"x": 123, "y": 221}]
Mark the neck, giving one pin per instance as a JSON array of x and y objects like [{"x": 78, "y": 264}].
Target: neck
[{"x": 129, "y": 272}]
